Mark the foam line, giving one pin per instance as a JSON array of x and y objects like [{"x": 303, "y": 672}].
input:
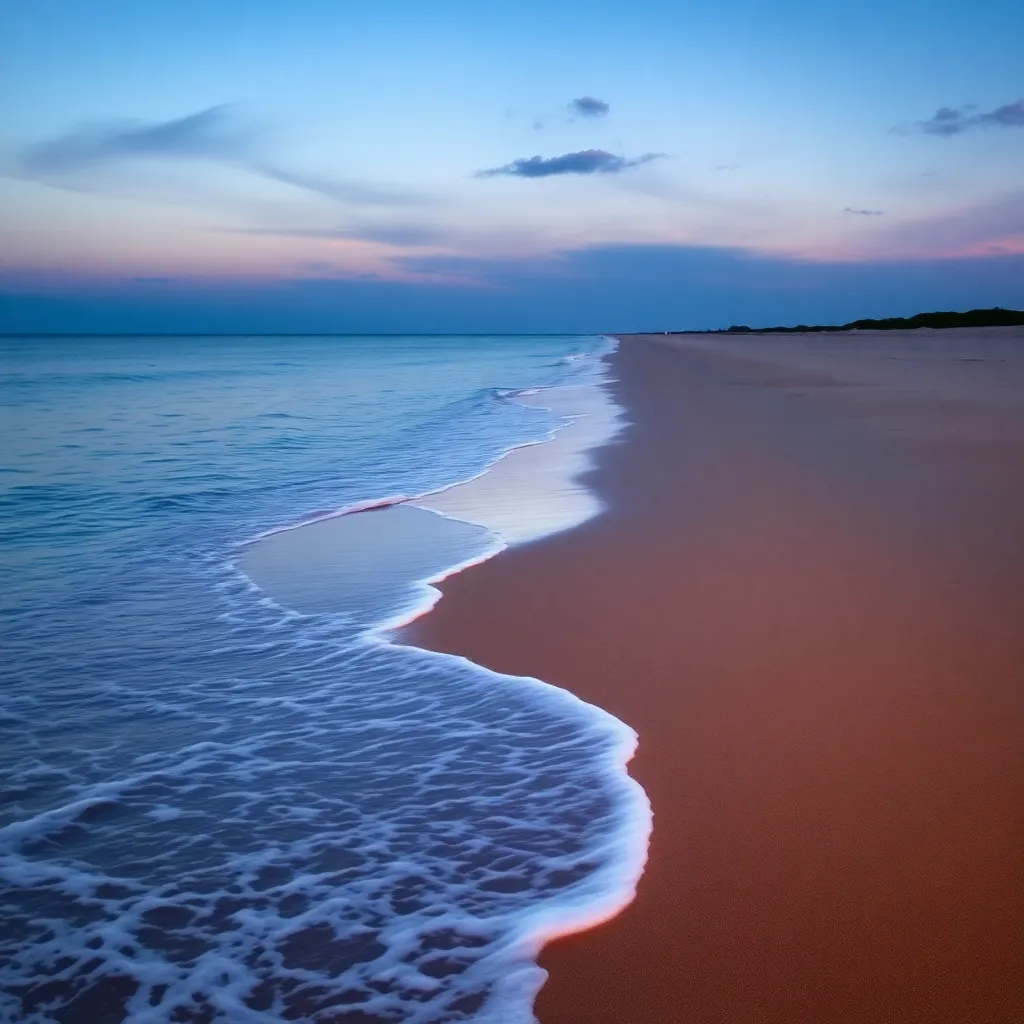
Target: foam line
[{"x": 614, "y": 887}]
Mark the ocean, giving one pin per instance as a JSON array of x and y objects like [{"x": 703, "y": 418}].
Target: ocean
[{"x": 222, "y": 804}]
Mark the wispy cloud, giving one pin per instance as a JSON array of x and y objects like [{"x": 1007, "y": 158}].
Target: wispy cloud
[
  {"x": 956, "y": 120},
  {"x": 863, "y": 213},
  {"x": 989, "y": 227},
  {"x": 341, "y": 191},
  {"x": 589, "y": 106},
  {"x": 587, "y": 161},
  {"x": 215, "y": 135},
  {"x": 396, "y": 234},
  {"x": 210, "y": 134}
]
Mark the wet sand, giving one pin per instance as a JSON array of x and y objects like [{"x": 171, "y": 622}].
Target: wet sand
[{"x": 807, "y": 596}]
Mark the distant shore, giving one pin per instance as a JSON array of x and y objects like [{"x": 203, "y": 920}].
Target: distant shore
[
  {"x": 804, "y": 595},
  {"x": 973, "y": 318}
]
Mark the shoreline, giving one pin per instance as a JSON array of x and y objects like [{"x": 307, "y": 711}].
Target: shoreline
[
  {"x": 487, "y": 507},
  {"x": 771, "y": 600},
  {"x": 528, "y": 494}
]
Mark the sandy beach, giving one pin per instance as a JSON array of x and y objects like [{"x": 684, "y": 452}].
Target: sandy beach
[{"x": 805, "y": 596}]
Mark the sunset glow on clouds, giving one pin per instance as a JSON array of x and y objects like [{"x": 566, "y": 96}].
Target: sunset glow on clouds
[{"x": 467, "y": 148}]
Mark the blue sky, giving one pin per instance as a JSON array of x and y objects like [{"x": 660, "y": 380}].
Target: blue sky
[{"x": 485, "y": 166}]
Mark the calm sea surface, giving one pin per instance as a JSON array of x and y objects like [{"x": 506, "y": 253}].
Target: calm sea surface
[{"x": 214, "y": 807}]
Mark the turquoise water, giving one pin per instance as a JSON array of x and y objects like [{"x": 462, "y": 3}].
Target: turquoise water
[{"x": 217, "y": 808}]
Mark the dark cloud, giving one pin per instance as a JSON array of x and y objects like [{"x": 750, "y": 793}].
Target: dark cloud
[
  {"x": 945, "y": 121},
  {"x": 587, "y": 161},
  {"x": 588, "y": 106},
  {"x": 956, "y": 120},
  {"x": 1010, "y": 115},
  {"x": 864, "y": 213},
  {"x": 215, "y": 135},
  {"x": 605, "y": 289}
]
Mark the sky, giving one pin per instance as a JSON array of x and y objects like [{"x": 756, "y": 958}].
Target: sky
[{"x": 469, "y": 165}]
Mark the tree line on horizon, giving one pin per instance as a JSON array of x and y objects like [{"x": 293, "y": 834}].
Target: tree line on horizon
[{"x": 995, "y": 317}]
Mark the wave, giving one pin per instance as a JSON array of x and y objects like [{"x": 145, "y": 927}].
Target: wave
[{"x": 621, "y": 850}]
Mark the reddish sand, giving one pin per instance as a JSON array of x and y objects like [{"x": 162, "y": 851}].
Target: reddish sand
[{"x": 814, "y": 619}]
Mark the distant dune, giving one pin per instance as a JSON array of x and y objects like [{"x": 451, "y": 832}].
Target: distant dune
[{"x": 996, "y": 317}]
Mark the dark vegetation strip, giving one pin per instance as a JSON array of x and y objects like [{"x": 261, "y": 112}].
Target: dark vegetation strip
[{"x": 997, "y": 317}]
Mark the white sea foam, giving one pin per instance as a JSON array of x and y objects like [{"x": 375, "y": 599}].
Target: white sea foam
[
  {"x": 421, "y": 892},
  {"x": 530, "y": 491},
  {"x": 533, "y": 491}
]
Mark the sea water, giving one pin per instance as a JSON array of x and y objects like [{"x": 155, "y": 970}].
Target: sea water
[{"x": 216, "y": 806}]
